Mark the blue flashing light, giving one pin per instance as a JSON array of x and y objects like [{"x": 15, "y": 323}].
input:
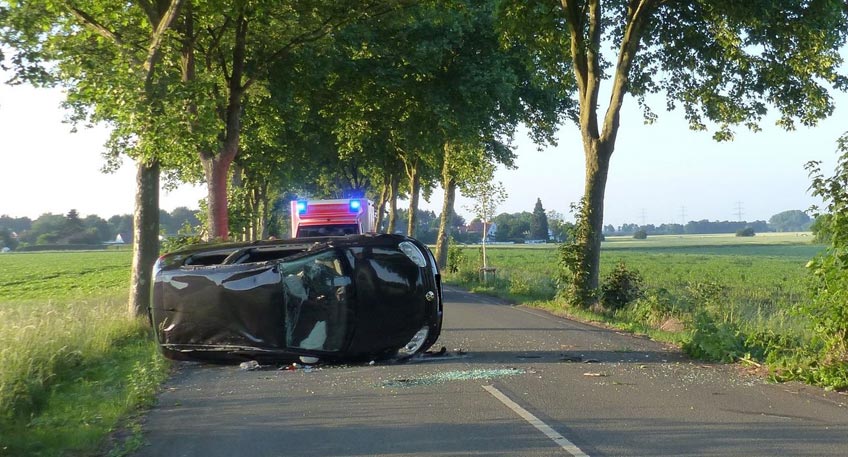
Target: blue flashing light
[
  {"x": 355, "y": 205},
  {"x": 301, "y": 207}
]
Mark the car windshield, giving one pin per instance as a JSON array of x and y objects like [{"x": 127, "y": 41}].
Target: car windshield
[{"x": 317, "y": 308}]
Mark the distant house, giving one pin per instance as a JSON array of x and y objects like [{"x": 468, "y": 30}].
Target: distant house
[
  {"x": 477, "y": 227},
  {"x": 120, "y": 239}
]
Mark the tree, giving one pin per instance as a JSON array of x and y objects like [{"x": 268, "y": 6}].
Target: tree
[
  {"x": 122, "y": 225},
  {"x": 487, "y": 195},
  {"x": 7, "y": 240},
  {"x": 746, "y": 232},
  {"x": 99, "y": 226},
  {"x": 539, "y": 226},
  {"x": 45, "y": 229},
  {"x": 434, "y": 85},
  {"x": 514, "y": 227},
  {"x": 228, "y": 52},
  {"x": 721, "y": 61},
  {"x": 15, "y": 224},
  {"x": 790, "y": 221},
  {"x": 559, "y": 227},
  {"x": 73, "y": 224},
  {"x": 108, "y": 56},
  {"x": 821, "y": 229}
]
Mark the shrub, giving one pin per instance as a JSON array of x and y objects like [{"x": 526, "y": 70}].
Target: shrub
[
  {"x": 747, "y": 231},
  {"x": 519, "y": 285},
  {"x": 715, "y": 341},
  {"x": 572, "y": 276},
  {"x": 653, "y": 308},
  {"x": 829, "y": 287},
  {"x": 456, "y": 258},
  {"x": 621, "y": 287},
  {"x": 640, "y": 235}
]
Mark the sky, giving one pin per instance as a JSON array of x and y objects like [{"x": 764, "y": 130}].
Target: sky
[{"x": 660, "y": 173}]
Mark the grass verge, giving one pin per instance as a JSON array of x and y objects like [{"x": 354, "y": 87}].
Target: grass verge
[{"x": 75, "y": 367}]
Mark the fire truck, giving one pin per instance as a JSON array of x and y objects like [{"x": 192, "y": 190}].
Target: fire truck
[{"x": 319, "y": 218}]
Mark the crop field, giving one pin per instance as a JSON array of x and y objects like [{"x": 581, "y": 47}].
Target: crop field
[
  {"x": 753, "y": 282},
  {"x": 51, "y": 276},
  {"x": 74, "y": 363}
]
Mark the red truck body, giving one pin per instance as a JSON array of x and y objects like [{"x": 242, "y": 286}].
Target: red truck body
[{"x": 319, "y": 218}]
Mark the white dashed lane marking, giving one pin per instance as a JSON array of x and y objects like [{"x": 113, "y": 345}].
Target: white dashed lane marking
[{"x": 560, "y": 440}]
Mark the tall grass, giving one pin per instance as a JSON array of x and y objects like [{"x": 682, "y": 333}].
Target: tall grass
[
  {"x": 44, "y": 345},
  {"x": 74, "y": 364}
]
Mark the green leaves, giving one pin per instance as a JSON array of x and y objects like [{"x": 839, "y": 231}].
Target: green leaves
[
  {"x": 725, "y": 61},
  {"x": 827, "y": 307}
]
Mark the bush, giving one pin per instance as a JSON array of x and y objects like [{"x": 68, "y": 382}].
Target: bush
[
  {"x": 640, "y": 235},
  {"x": 829, "y": 287},
  {"x": 747, "y": 231},
  {"x": 572, "y": 276},
  {"x": 456, "y": 258},
  {"x": 715, "y": 341},
  {"x": 653, "y": 308},
  {"x": 621, "y": 287}
]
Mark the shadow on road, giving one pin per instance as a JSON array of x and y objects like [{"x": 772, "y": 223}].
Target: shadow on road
[{"x": 555, "y": 357}]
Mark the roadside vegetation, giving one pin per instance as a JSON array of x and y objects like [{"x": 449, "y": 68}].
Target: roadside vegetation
[
  {"x": 75, "y": 365},
  {"x": 720, "y": 297}
]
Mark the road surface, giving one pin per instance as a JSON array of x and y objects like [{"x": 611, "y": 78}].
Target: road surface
[{"x": 514, "y": 382}]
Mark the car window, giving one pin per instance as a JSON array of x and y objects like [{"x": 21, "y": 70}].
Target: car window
[{"x": 317, "y": 308}]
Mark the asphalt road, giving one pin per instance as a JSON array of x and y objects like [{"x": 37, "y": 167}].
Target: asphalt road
[{"x": 514, "y": 382}]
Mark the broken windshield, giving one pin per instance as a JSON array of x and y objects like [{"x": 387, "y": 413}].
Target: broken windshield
[{"x": 316, "y": 297}]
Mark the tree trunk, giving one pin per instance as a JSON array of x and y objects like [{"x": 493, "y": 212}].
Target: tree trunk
[
  {"x": 216, "y": 170},
  {"x": 442, "y": 243},
  {"x": 393, "y": 196},
  {"x": 414, "y": 190},
  {"x": 145, "y": 236},
  {"x": 381, "y": 204},
  {"x": 217, "y": 166},
  {"x": 262, "y": 205},
  {"x": 598, "y": 155}
]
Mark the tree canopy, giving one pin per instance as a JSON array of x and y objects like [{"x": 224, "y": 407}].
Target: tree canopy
[{"x": 722, "y": 63}]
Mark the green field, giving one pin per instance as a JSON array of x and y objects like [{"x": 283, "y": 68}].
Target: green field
[
  {"x": 745, "y": 290},
  {"x": 51, "y": 276},
  {"x": 762, "y": 270},
  {"x": 74, "y": 364}
]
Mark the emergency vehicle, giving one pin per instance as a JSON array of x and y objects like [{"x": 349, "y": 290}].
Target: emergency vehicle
[{"x": 319, "y": 218}]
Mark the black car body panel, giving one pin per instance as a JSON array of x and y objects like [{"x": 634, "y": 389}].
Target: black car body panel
[{"x": 341, "y": 298}]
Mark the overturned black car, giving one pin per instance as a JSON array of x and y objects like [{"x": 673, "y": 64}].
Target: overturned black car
[{"x": 359, "y": 297}]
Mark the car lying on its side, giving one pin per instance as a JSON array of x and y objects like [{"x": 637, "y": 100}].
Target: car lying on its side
[{"x": 360, "y": 297}]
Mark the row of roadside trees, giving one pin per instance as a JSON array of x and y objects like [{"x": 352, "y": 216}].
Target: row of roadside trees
[{"x": 384, "y": 98}]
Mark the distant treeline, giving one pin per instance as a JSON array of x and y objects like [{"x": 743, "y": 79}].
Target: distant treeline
[
  {"x": 71, "y": 229},
  {"x": 786, "y": 221}
]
